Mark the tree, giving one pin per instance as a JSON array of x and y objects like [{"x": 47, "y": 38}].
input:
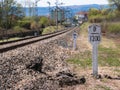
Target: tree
[
  {"x": 11, "y": 12},
  {"x": 44, "y": 21},
  {"x": 94, "y": 11},
  {"x": 115, "y": 3}
]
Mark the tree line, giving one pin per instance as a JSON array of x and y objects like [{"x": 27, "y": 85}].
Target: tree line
[
  {"x": 10, "y": 13},
  {"x": 108, "y": 18},
  {"x": 110, "y": 14},
  {"x": 12, "y": 16}
]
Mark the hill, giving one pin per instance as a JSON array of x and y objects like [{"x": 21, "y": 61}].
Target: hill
[{"x": 74, "y": 9}]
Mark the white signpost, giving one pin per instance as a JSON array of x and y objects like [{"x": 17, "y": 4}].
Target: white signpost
[
  {"x": 94, "y": 38},
  {"x": 74, "y": 40}
]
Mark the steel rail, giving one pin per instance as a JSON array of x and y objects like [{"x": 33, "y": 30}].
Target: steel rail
[
  {"x": 21, "y": 43},
  {"x": 26, "y": 38}
]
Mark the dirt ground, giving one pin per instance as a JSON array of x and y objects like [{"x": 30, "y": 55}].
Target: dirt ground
[{"x": 109, "y": 77}]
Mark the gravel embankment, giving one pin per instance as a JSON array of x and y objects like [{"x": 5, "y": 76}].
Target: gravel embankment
[{"x": 39, "y": 66}]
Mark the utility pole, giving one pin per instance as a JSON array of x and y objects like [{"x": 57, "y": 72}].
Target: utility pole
[
  {"x": 56, "y": 13},
  {"x": 36, "y": 11},
  {"x": 49, "y": 11},
  {"x": 49, "y": 7},
  {"x": 61, "y": 13},
  {"x": 29, "y": 4},
  {"x": 36, "y": 8}
]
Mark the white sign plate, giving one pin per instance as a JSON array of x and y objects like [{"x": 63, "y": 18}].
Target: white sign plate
[{"x": 94, "y": 34}]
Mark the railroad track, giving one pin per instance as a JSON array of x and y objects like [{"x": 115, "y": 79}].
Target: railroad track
[{"x": 6, "y": 46}]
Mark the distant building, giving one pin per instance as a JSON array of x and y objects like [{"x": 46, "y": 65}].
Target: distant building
[{"x": 81, "y": 17}]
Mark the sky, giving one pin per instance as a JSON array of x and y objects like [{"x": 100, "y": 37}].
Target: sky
[{"x": 43, "y": 3}]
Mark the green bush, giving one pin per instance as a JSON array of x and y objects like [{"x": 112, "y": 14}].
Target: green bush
[
  {"x": 52, "y": 22},
  {"x": 34, "y": 25},
  {"x": 44, "y": 21},
  {"x": 97, "y": 18},
  {"x": 111, "y": 16},
  {"x": 114, "y": 28},
  {"x": 94, "y": 12},
  {"x": 108, "y": 56},
  {"x": 18, "y": 29},
  {"x": 24, "y": 24},
  {"x": 111, "y": 27},
  {"x": 82, "y": 59}
]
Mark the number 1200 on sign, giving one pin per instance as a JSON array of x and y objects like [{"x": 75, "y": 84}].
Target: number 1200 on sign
[{"x": 94, "y": 38}]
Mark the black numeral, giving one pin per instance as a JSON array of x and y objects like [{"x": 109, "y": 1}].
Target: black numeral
[{"x": 94, "y": 38}]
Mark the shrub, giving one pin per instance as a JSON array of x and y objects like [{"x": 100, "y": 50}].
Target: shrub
[
  {"x": 114, "y": 28},
  {"x": 97, "y": 19},
  {"x": 111, "y": 16},
  {"x": 44, "y": 21},
  {"x": 17, "y": 29},
  {"x": 34, "y": 25},
  {"x": 24, "y": 24},
  {"x": 111, "y": 27}
]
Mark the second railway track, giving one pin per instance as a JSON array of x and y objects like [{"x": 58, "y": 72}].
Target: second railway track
[{"x": 19, "y": 43}]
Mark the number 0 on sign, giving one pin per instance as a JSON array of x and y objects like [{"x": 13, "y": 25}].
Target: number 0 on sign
[{"x": 94, "y": 36}]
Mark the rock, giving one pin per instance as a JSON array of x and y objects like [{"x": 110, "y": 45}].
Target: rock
[
  {"x": 69, "y": 79},
  {"x": 107, "y": 76},
  {"x": 69, "y": 74},
  {"x": 98, "y": 76},
  {"x": 82, "y": 80}
]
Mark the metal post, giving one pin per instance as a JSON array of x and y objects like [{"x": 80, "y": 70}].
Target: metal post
[
  {"x": 57, "y": 17},
  {"x": 74, "y": 44},
  {"x": 56, "y": 12},
  {"x": 36, "y": 1},
  {"x": 49, "y": 12},
  {"x": 74, "y": 40},
  {"x": 49, "y": 7},
  {"x": 95, "y": 59}
]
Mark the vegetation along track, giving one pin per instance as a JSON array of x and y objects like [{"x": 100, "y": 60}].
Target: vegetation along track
[{"x": 22, "y": 42}]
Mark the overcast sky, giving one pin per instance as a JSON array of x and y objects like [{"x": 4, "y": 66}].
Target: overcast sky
[{"x": 43, "y": 3}]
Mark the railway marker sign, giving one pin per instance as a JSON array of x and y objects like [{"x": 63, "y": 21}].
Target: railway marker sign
[
  {"x": 74, "y": 40},
  {"x": 94, "y": 36}
]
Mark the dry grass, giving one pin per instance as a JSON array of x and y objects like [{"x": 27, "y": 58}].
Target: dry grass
[
  {"x": 10, "y": 39},
  {"x": 108, "y": 43},
  {"x": 109, "y": 63}
]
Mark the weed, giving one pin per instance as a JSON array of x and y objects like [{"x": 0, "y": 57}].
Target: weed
[
  {"x": 111, "y": 27},
  {"x": 10, "y": 39},
  {"x": 108, "y": 57},
  {"x": 83, "y": 59},
  {"x": 102, "y": 87},
  {"x": 51, "y": 29}
]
